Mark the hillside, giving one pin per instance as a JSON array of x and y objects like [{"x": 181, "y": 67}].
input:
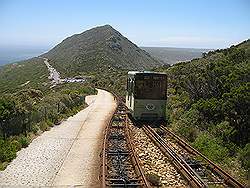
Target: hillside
[
  {"x": 98, "y": 52},
  {"x": 29, "y": 106},
  {"x": 26, "y": 74},
  {"x": 209, "y": 102},
  {"x": 208, "y": 105},
  {"x": 171, "y": 56},
  {"x": 97, "y": 49}
]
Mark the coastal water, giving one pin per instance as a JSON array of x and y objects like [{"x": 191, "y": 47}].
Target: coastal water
[{"x": 11, "y": 55}]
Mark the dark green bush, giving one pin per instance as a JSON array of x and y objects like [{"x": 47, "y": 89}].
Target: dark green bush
[
  {"x": 24, "y": 141},
  {"x": 211, "y": 147},
  {"x": 8, "y": 150},
  {"x": 245, "y": 157},
  {"x": 43, "y": 126}
]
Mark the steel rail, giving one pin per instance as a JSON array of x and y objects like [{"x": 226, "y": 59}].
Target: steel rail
[
  {"x": 136, "y": 159},
  {"x": 227, "y": 178},
  {"x": 104, "y": 146},
  {"x": 141, "y": 182},
  {"x": 190, "y": 175},
  {"x": 104, "y": 159}
]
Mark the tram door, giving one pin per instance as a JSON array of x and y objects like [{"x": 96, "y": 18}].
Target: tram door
[{"x": 131, "y": 92}]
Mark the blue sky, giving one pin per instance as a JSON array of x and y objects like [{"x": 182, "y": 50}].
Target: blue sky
[{"x": 174, "y": 23}]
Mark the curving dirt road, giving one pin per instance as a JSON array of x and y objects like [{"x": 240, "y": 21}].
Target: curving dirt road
[{"x": 68, "y": 154}]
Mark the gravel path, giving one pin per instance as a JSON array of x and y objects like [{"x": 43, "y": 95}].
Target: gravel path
[{"x": 68, "y": 154}]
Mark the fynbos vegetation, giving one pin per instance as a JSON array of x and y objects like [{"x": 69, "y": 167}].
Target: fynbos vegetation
[
  {"x": 29, "y": 112},
  {"x": 209, "y": 103}
]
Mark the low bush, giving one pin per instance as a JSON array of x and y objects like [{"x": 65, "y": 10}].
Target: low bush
[
  {"x": 211, "y": 147},
  {"x": 8, "y": 150},
  {"x": 245, "y": 157},
  {"x": 24, "y": 141}
]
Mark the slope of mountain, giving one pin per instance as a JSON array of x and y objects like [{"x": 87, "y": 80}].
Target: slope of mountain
[
  {"x": 26, "y": 74},
  {"x": 209, "y": 102},
  {"x": 168, "y": 55},
  {"x": 97, "y": 49}
]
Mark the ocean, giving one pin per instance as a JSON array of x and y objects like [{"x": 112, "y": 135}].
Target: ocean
[{"x": 11, "y": 55}]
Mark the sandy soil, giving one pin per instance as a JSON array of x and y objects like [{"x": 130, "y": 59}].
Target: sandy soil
[{"x": 68, "y": 154}]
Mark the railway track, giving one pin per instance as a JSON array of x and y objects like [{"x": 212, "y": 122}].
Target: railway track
[
  {"x": 154, "y": 162},
  {"x": 210, "y": 173},
  {"x": 120, "y": 164},
  {"x": 122, "y": 168},
  {"x": 198, "y": 170},
  {"x": 193, "y": 179}
]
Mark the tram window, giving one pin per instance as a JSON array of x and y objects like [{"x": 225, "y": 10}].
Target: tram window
[{"x": 153, "y": 88}]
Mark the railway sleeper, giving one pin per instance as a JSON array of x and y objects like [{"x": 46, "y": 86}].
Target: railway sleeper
[
  {"x": 116, "y": 153},
  {"x": 121, "y": 182}
]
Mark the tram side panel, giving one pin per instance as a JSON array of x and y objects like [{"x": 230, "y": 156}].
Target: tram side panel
[
  {"x": 146, "y": 95},
  {"x": 130, "y": 103},
  {"x": 129, "y": 94},
  {"x": 149, "y": 109},
  {"x": 150, "y": 96}
]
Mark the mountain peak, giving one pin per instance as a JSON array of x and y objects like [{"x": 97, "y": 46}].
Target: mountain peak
[
  {"x": 101, "y": 27},
  {"x": 99, "y": 47},
  {"x": 107, "y": 26},
  {"x": 104, "y": 29}
]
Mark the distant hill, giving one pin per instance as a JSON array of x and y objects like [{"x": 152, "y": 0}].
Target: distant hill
[
  {"x": 97, "y": 49},
  {"x": 169, "y": 55}
]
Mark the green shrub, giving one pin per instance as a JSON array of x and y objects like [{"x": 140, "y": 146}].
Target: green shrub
[
  {"x": 211, "y": 147},
  {"x": 24, "y": 141},
  {"x": 35, "y": 128},
  {"x": 7, "y": 150},
  {"x": 3, "y": 165},
  {"x": 49, "y": 123},
  {"x": 190, "y": 133},
  {"x": 245, "y": 157},
  {"x": 15, "y": 142},
  {"x": 43, "y": 126}
]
